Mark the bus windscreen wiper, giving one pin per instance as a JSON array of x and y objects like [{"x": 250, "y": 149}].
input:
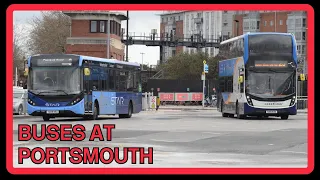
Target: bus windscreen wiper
[
  {"x": 61, "y": 91},
  {"x": 52, "y": 91}
]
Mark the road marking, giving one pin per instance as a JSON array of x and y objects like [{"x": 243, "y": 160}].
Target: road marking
[
  {"x": 159, "y": 140},
  {"x": 211, "y": 133},
  {"x": 270, "y": 144},
  {"x": 294, "y": 152}
]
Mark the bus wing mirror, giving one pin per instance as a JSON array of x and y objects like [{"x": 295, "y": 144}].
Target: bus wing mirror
[
  {"x": 86, "y": 71},
  {"x": 240, "y": 79}
]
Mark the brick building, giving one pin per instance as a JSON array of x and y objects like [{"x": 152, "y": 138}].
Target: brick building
[
  {"x": 260, "y": 22},
  {"x": 88, "y": 34}
]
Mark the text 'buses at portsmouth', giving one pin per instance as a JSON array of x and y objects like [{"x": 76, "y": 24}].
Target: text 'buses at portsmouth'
[
  {"x": 73, "y": 85},
  {"x": 257, "y": 75}
]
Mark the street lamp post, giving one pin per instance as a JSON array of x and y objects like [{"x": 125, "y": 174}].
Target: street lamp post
[
  {"x": 142, "y": 60},
  {"x": 108, "y": 38}
]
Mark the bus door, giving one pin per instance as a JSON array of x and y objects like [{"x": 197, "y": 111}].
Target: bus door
[{"x": 87, "y": 90}]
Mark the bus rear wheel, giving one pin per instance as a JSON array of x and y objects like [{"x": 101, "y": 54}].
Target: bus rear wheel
[
  {"x": 129, "y": 112},
  {"x": 285, "y": 117}
]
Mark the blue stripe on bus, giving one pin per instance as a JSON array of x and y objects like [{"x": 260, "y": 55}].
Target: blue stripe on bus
[
  {"x": 226, "y": 67},
  {"x": 246, "y": 49},
  {"x": 295, "y": 59}
]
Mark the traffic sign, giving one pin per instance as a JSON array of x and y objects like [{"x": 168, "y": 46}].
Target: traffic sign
[
  {"x": 204, "y": 62},
  {"x": 206, "y": 68}
]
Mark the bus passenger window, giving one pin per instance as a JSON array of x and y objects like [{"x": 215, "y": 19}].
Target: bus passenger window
[{"x": 111, "y": 80}]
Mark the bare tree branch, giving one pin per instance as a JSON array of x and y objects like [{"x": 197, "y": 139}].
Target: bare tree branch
[{"x": 49, "y": 33}]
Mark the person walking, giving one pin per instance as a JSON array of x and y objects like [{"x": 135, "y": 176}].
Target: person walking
[{"x": 158, "y": 103}]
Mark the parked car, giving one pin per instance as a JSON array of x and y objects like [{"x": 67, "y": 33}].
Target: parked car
[{"x": 19, "y": 104}]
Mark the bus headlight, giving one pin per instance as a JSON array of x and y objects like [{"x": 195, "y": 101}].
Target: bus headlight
[
  {"x": 293, "y": 100},
  {"x": 76, "y": 100},
  {"x": 249, "y": 101},
  {"x": 31, "y": 102}
]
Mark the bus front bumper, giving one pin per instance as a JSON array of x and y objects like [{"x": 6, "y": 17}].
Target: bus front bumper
[
  {"x": 252, "y": 111},
  {"x": 63, "y": 111}
]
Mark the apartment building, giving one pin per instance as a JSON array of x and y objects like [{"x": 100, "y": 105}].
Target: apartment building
[{"x": 187, "y": 24}]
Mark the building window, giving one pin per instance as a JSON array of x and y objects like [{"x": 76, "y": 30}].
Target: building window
[
  {"x": 304, "y": 22},
  {"x": 93, "y": 26},
  {"x": 225, "y": 11},
  {"x": 303, "y": 35},
  {"x": 298, "y": 22},
  {"x": 298, "y": 35},
  {"x": 102, "y": 26},
  {"x": 281, "y": 23},
  {"x": 298, "y": 49},
  {"x": 303, "y": 48},
  {"x": 265, "y": 23},
  {"x": 162, "y": 19},
  {"x": 258, "y": 24},
  {"x": 271, "y": 23}
]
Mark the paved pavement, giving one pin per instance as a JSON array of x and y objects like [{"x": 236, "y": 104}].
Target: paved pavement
[{"x": 192, "y": 138}]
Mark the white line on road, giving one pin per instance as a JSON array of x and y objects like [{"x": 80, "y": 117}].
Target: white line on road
[
  {"x": 294, "y": 152},
  {"x": 159, "y": 140},
  {"x": 211, "y": 133}
]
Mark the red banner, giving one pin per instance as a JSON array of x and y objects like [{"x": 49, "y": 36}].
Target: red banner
[
  {"x": 167, "y": 97},
  {"x": 196, "y": 97},
  {"x": 182, "y": 97}
]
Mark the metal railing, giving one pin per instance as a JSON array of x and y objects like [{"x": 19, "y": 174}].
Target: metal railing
[{"x": 302, "y": 102}]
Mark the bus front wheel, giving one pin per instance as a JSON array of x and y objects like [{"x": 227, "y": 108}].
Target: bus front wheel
[
  {"x": 46, "y": 118},
  {"x": 95, "y": 111}
]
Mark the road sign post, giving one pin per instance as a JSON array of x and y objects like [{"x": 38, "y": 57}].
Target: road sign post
[{"x": 203, "y": 78}]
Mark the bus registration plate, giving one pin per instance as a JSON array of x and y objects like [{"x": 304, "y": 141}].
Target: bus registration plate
[
  {"x": 271, "y": 112},
  {"x": 52, "y": 112}
]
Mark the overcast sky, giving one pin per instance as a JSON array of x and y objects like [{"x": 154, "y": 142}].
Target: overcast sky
[{"x": 140, "y": 22}]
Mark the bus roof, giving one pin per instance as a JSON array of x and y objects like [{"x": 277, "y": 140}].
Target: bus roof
[
  {"x": 252, "y": 34},
  {"x": 81, "y": 58},
  {"x": 107, "y": 60}
]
